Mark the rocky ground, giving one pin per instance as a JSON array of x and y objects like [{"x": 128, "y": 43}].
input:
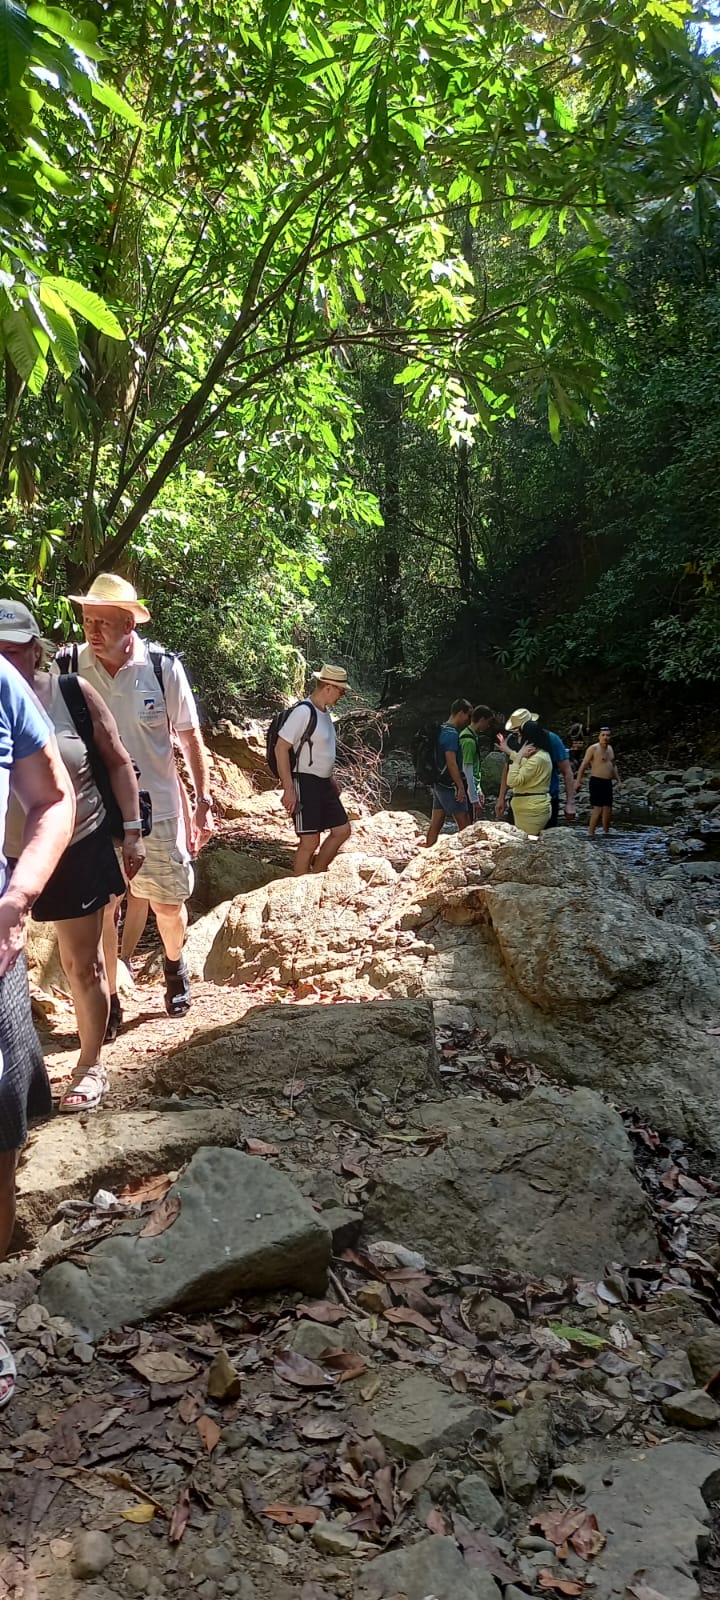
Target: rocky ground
[{"x": 391, "y": 1271}]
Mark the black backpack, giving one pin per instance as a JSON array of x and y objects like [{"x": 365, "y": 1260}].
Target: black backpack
[
  {"x": 424, "y": 752},
  {"x": 71, "y": 691},
  {"x": 275, "y": 729},
  {"x": 67, "y": 661}
]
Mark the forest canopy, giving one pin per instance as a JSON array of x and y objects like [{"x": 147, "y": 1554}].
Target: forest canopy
[{"x": 331, "y": 325}]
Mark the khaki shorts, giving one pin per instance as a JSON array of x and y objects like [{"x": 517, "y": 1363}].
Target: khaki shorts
[{"x": 166, "y": 875}]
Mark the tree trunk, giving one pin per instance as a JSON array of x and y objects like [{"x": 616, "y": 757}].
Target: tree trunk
[{"x": 391, "y": 506}]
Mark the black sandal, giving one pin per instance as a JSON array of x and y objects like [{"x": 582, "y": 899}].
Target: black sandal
[
  {"x": 177, "y": 988},
  {"x": 115, "y": 1020}
]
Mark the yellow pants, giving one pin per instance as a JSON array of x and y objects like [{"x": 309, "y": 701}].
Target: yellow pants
[{"x": 532, "y": 812}]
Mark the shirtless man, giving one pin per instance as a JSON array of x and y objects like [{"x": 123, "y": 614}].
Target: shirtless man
[{"x": 600, "y": 758}]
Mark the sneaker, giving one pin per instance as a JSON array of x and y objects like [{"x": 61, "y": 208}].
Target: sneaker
[
  {"x": 115, "y": 1018},
  {"x": 177, "y": 988}
]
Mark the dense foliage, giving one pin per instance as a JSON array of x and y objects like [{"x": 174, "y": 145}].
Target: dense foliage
[{"x": 270, "y": 275}]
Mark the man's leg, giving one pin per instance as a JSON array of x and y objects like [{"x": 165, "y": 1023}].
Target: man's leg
[
  {"x": 136, "y": 913},
  {"x": 554, "y": 811},
  {"x": 80, "y": 941},
  {"x": 307, "y": 845},
  {"x": 606, "y": 816},
  {"x": 330, "y": 846},
  {"x": 110, "y": 952},
  {"x": 595, "y": 816},
  {"x": 462, "y": 819},
  {"x": 436, "y": 821},
  {"x": 172, "y": 926}
]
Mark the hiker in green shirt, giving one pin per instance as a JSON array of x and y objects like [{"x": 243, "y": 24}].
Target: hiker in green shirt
[{"x": 481, "y": 721}]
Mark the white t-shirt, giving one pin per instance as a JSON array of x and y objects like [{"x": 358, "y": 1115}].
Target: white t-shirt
[
  {"x": 134, "y": 698},
  {"x": 323, "y": 740}
]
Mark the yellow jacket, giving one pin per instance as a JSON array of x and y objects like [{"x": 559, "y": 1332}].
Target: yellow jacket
[{"x": 531, "y": 776}]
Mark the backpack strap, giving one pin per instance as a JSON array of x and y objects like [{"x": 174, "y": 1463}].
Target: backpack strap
[
  {"x": 157, "y": 656},
  {"x": 307, "y": 738},
  {"x": 71, "y": 691}
]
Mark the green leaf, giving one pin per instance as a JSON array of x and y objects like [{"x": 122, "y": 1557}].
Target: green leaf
[
  {"x": 564, "y": 1330},
  {"x": 81, "y": 35},
  {"x": 109, "y": 97},
  {"x": 553, "y": 419},
  {"x": 538, "y": 233},
  {"x": 20, "y": 343},
  {"x": 65, "y": 347},
  {"x": 85, "y": 302},
  {"x": 16, "y": 42}
]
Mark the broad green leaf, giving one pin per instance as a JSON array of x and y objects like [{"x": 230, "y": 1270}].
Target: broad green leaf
[
  {"x": 65, "y": 348},
  {"x": 85, "y": 302},
  {"x": 20, "y": 343},
  {"x": 81, "y": 35},
  {"x": 564, "y": 1330},
  {"x": 115, "y": 102},
  {"x": 16, "y": 42}
]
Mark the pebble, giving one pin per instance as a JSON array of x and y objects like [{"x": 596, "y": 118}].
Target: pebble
[
  {"x": 296, "y": 1533},
  {"x": 208, "y": 1589},
  {"x": 532, "y": 1542},
  {"x": 137, "y": 1577},
  {"x": 568, "y": 1476},
  {"x": 236, "y": 1497},
  {"x": 334, "y": 1540},
  {"x": 279, "y": 1558},
  {"x": 215, "y": 1562},
  {"x": 692, "y": 1408},
  {"x": 491, "y": 1318},
  {"x": 231, "y": 1585},
  {"x": 479, "y": 1503},
  {"x": 84, "y": 1353},
  {"x": 92, "y": 1553}
]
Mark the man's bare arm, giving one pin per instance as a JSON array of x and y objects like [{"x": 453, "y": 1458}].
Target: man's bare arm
[
  {"x": 196, "y": 756},
  {"x": 46, "y": 795},
  {"x": 569, "y": 782},
  {"x": 282, "y": 756},
  {"x": 451, "y": 761},
  {"x": 585, "y": 763}
]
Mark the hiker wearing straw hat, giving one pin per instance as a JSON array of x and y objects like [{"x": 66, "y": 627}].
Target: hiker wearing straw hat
[
  {"x": 304, "y": 750},
  {"x": 148, "y": 693},
  {"x": 561, "y": 768}
]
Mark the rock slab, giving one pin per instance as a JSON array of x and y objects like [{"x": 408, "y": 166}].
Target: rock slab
[
  {"x": 421, "y": 1415},
  {"x": 242, "y": 1227},
  {"x": 543, "y": 1186},
  {"x": 431, "y": 1567},
  {"x": 652, "y": 1506}
]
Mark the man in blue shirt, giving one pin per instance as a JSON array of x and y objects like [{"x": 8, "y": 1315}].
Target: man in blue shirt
[
  {"x": 29, "y": 759},
  {"x": 449, "y": 797}
]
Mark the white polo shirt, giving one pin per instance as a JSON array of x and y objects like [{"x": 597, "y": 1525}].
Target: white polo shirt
[{"x": 134, "y": 698}]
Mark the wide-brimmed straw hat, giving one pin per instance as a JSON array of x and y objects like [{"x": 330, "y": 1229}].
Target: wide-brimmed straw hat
[
  {"x": 335, "y": 675},
  {"x": 110, "y": 590},
  {"x": 519, "y": 718}
]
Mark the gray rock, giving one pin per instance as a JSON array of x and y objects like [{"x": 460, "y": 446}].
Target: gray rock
[
  {"x": 312, "y": 1338},
  {"x": 479, "y": 1503},
  {"x": 491, "y": 1318},
  {"x": 92, "y": 1553},
  {"x": 137, "y": 1577},
  {"x": 421, "y": 1415},
  {"x": 431, "y": 1567},
  {"x": 334, "y": 1539},
  {"x": 654, "y": 1510},
  {"x": 704, "y": 1357},
  {"x": 542, "y": 1186},
  {"x": 526, "y": 1447},
  {"x": 345, "y": 1227},
  {"x": 221, "y": 873},
  {"x": 691, "y": 1408},
  {"x": 243, "y": 1227},
  {"x": 340, "y": 1052}
]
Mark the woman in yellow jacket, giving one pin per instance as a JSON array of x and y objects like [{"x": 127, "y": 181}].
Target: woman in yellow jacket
[{"x": 529, "y": 778}]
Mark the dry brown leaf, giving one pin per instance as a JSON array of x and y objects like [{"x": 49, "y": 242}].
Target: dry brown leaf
[
  {"x": 209, "y": 1431},
  {"x": 292, "y": 1516},
  {"x": 258, "y": 1147},
  {"x": 404, "y": 1316},
  {"x": 326, "y": 1311},
  {"x": 642, "y": 1591},
  {"x": 437, "y": 1522},
  {"x": 143, "y": 1189},
  {"x": 352, "y": 1168},
  {"x": 573, "y": 1526},
  {"x": 556, "y": 1584},
  {"x": 480, "y": 1550},
  {"x": 162, "y": 1218},
  {"x": 319, "y": 1429},
  {"x": 223, "y": 1382},
  {"x": 346, "y": 1363},
  {"x": 294, "y": 1368},
  {"x": 161, "y": 1366},
  {"x": 142, "y": 1513},
  {"x": 180, "y": 1516},
  {"x": 189, "y": 1409}
]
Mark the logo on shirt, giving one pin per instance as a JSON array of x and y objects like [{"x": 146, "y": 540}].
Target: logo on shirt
[{"x": 149, "y": 702}]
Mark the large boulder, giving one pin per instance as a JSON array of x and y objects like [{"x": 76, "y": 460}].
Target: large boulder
[
  {"x": 244, "y": 748},
  {"x": 555, "y": 946},
  {"x": 543, "y": 1186},
  {"x": 340, "y": 1053},
  {"x": 241, "y": 1227},
  {"x": 221, "y": 873},
  {"x": 654, "y": 1507}
]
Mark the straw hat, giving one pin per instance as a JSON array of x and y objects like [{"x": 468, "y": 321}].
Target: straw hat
[
  {"x": 336, "y": 675},
  {"x": 110, "y": 590},
  {"x": 519, "y": 718}
]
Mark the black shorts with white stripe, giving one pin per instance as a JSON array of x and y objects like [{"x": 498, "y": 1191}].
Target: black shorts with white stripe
[{"x": 319, "y": 805}]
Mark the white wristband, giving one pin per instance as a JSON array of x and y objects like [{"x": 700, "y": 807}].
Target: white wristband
[{"x": 132, "y": 827}]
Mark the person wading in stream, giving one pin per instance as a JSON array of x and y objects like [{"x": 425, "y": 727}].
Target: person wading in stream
[
  {"x": 148, "y": 693},
  {"x": 305, "y": 758},
  {"x": 600, "y": 758},
  {"x": 29, "y": 760}
]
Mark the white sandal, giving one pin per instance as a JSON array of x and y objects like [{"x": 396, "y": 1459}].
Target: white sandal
[
  {"x": 90, "y": 1088},
  {"x": 8, "y": 1372}
]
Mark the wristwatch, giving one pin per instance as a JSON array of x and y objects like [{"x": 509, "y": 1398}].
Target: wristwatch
[{"x": 204, "y": 800}]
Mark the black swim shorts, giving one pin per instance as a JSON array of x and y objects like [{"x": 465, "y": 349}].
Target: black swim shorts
[
  {"x": 319, "y": 805},
  {"x": 601, "y": 792}
]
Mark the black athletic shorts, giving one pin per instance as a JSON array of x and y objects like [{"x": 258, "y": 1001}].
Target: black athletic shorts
[
  {"x": 601, "y": 792},
  {"x": 319, "y": 805},
  {"x": 24, "y": 1087},
  {"x": 84, "y": 879}
]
